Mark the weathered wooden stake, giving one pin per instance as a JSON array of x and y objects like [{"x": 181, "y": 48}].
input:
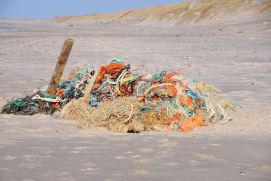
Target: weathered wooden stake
[
  {"x": 90, "y": 86},
  {"x": 60, "y": 65}
]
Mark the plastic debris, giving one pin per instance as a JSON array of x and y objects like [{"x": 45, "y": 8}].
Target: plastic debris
[{"x": 125, "y": 101}]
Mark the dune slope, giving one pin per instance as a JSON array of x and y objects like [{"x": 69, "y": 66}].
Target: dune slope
[{"x": 182, "y": 13}]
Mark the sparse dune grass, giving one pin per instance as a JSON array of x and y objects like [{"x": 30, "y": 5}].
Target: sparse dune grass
[{"x": 186, "y": 12}]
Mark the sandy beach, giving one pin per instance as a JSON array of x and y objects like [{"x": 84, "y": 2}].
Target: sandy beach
[{"x": 234, "y": 57}]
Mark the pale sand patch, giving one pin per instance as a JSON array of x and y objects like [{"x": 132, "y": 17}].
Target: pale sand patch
[
  {"x": 140, "y": 172},
  {"x": 206, "y": 156},
  {"x": 145, "y": 150},
  {"x": 9, "y": 157},
  {"x": 29, "y": 165},
  {"x": 144, "y": 161},
  {"x": 87, "y": 169},
  {"x": 266, "y": 168},
  {"x": 120, "y": 157},
  {"x": 166, "y": 143}
]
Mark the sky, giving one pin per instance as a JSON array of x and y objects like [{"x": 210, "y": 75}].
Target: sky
[{"x": 52, "y": 8}]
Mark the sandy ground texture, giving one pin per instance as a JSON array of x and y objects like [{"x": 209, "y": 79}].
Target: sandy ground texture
[{"x": 235, "y": 58}]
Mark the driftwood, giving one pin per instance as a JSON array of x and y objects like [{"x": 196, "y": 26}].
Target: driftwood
[
  {"x": 60, "y": 65},
  {"x": 90, "y": 86}
]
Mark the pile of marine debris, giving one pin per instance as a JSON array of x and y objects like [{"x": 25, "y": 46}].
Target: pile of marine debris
[{"x": 119, "y": 99}]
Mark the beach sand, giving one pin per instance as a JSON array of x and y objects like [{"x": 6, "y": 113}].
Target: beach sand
[{"x": 234, "y": 57}]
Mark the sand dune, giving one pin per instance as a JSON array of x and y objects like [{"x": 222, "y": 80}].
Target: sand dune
[{"x": 182, "y": 13}]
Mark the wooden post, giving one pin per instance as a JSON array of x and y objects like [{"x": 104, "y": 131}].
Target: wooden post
[
  {"x": 90, "y": 86},
  {"x": 60, "y": 65}
]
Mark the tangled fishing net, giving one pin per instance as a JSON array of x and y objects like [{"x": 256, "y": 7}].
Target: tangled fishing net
[
  {"x": 115, "y": 115},
  {"x": 122, "y": 100}
]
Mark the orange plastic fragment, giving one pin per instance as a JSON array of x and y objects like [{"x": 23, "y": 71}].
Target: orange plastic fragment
[
  {"x": 187, "y": 125},
  {"x": 197, "y": 103},
  {"x": 168, "y": 78},
  {"x": 170, "y": 75},
  {"x": 112, "y": 68},
  {"x": 198, "y": 121},
  {"x": 172, "y": 91},
  {"x": 176, "y": 117},
  {"x": 166, "y": 90},
  {"x": 60, "y": 92},
  {"x": 188, "y": 101},
  {"x": 109, "y": 69},
  {"x": 55, "y": 105}
]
